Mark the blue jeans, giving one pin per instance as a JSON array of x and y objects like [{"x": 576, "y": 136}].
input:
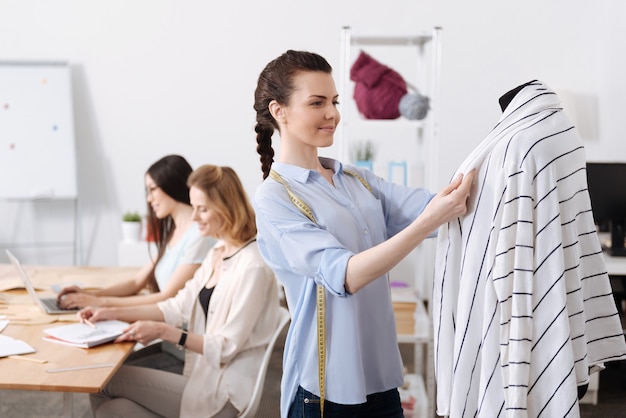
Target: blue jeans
[{"x": 378, "y": 405}]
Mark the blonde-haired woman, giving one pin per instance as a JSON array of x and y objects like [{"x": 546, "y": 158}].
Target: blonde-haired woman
[{"x": 231, "y": 307}]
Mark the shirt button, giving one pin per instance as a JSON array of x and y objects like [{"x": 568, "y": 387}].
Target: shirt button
[{"x": 366, "y": 232}]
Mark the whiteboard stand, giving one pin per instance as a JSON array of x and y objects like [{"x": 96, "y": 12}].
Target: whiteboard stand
[{"x": 73, "y": 241}]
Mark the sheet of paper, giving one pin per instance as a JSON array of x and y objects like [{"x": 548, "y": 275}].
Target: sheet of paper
[
  {"x": 11, "y": 283},
  {"x": 10, "y": 346},
  {"x": 28, "y": 314}
]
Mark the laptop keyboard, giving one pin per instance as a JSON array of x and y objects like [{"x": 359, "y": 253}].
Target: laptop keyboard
[{"x": 52, "y": 304}]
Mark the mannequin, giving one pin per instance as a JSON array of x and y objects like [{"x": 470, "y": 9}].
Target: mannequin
[
  {"x": 506, "y": 98},
  {"x": 504, "y": 101}
]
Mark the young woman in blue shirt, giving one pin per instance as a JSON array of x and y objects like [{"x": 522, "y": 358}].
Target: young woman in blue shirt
[{"x": 322, "y": 222}]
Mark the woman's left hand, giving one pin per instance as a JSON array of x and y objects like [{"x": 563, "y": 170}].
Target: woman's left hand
[{"x": 143, "y": 332}]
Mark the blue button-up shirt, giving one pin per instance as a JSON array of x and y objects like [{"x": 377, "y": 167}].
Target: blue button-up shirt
[{"x": 362, "y": 355}]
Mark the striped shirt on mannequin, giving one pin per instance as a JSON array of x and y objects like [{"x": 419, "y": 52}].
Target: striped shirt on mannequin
[{"x": 522, "y": 306}]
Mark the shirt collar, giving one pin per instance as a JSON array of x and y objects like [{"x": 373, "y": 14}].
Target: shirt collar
[{"x": 301, "y": 175}]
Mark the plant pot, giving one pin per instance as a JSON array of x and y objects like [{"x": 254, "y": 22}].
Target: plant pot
[
  {"x": 369, "y": 164},
  {"x": 131, "y": 231}
]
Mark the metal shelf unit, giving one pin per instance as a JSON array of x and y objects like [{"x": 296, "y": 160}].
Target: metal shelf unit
[{"x": 419, "y": 136}]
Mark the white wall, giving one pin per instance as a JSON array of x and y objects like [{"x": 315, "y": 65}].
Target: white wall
[{"x": 153, "y": 77}]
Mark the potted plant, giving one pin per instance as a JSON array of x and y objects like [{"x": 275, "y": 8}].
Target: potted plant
[
  {"x": 363, "y": 154},
  {"x": 131, "y": 227}
]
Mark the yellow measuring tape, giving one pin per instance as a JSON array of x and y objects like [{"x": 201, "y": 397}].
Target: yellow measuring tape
[
  {"x": 321, "y": 292},
  {"x": 321, "y": 297},
  {"x": 321, "y": 343},
  {"x": 304, "y": 208}
]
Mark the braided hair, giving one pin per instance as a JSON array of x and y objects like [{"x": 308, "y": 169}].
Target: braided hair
[{"x": 276, "y": 83}]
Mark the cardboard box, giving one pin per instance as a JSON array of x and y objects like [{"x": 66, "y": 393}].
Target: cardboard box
[{"x": 405, "y": 316}]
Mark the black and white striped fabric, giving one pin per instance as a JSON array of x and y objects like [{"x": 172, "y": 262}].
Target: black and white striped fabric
[{"x": 522, "y": 305}]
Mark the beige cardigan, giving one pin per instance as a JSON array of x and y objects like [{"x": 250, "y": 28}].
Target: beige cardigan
[{"x": 243, "y": 313}]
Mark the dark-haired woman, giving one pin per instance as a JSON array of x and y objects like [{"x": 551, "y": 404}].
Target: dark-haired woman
[
  {"x": 325, "y": 224},
  {"x": 180, "y": 246}
]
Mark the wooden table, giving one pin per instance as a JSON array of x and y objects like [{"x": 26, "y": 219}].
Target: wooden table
[{"x": 27, "y": 375}]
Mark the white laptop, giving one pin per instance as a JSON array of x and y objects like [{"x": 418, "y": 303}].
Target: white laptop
[{"x": 47, "y": 304}]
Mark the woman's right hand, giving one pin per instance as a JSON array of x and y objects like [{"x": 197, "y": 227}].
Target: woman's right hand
[
  {"x": 79, "y": 300},
  {"x": 67, "y": 290},
  {"x": 95, "y": 314}
]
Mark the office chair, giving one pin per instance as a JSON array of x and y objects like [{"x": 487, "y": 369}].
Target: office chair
[{"x": 255, "y": 401}]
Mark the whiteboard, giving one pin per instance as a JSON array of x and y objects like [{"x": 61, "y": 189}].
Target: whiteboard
[{"x": 37, "y": 147}]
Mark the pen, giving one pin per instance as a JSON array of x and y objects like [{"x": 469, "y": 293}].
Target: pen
[
  {"x": 32, "y": 359},
  {"x": 89, "y": 366},
  {"x": 88, "y": 322}
]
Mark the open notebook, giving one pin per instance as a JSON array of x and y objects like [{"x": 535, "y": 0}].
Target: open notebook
[{"x": 83, "y": 335}]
